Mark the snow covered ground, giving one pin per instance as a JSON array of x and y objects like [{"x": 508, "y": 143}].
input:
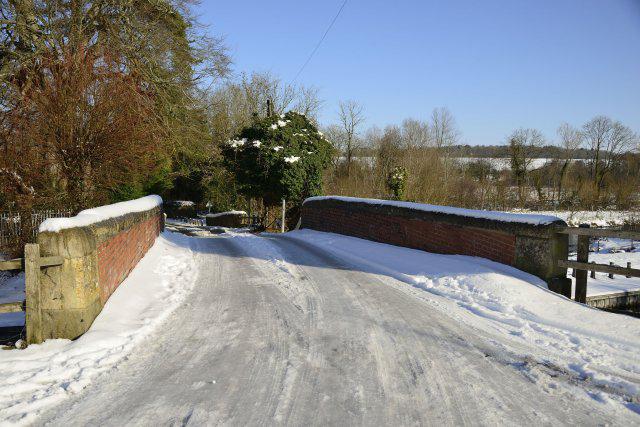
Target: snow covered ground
[
  {"x": 318, "y": 328},
  {"x": 43, "y": 375},
  {"x": 620, "y": 252},
  {"x": 11, "y": 290},
  {"x": 598, "y": 350}
]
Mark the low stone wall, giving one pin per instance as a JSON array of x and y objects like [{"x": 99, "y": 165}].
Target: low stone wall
[
  {"x": 618, "y": 301},
  {"x": 232, "y": 219},
  {"x": 97, "y": 258},
  {"x": 522, "y": 242}
]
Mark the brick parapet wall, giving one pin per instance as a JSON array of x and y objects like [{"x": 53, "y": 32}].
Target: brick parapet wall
[
  {"x": 97, "y": 259},
  {"x": 120, "y": 253},
  {"x": 531, "y": 248}
]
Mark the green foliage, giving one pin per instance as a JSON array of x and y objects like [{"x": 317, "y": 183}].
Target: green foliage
[
  {"x": 397, "y": 182},
  {"x": 279, "y": 157}
]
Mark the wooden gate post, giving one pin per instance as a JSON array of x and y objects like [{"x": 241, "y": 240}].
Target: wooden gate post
[
  {"x": 581, "y": 275},
  {"x": 33, "y": 318}
]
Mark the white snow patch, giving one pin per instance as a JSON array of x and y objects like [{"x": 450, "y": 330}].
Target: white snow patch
[
  {"x": 491, "y": 215},
  {"x": 42, "y": 375},
  {"x": 94, "y": 215},
  {"x": 215, "y": 215}
]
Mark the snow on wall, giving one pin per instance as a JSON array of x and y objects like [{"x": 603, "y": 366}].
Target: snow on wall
[
  {"x": 95, "y": 215},
  {"x": 531, "y": 219},
  {"x": 219, "y": 214},
  {"x": 600, "y": 218}
]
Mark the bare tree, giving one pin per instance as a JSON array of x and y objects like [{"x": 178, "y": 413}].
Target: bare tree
[
  {"x": 233, "y": 105},
  {"x": 443, "y": 128},
  {"x": 351, "y": 117},
  {"x": 415, "y": 133},
  {"x": 608, "y": 141},
  {"x": 570, "y": 140},
  {"x": 336, "y": 135},
  {"x": 522, "y": 145},
  {"x": 309, "y": 102}
]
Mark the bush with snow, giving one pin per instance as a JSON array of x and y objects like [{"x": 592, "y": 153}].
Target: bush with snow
[
  {"x": 397, "y": 182},
  {"x": 279, "y": 157}
]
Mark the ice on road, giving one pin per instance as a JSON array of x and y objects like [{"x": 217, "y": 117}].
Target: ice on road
[{"x": 303, "y": 329}]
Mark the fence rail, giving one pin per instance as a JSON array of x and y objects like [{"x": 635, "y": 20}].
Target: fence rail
[{"x": 582, "y": 266}]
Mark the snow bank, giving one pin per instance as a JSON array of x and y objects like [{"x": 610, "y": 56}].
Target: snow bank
[
  {"x": 550, "y": 337},
  {"x": 94, "y": 215},
  {"x": 490, "y": 215},
  {"x": 42, "y": 375}
]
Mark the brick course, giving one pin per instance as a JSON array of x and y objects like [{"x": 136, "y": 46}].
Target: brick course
[{"x": 119, "y": 254}]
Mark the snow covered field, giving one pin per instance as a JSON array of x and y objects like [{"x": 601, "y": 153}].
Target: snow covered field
[
  {"x": 500, "y": 163},
  {"x": 43, "y": 375}
]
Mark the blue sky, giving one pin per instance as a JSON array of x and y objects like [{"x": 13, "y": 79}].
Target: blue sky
[{"x": 496, "y": 64}]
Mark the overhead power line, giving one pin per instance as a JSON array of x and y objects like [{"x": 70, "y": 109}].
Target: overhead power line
[{"x": 320, "y": 41}]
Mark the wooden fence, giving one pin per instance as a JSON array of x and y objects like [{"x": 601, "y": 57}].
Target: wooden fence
[
  {"x": 10, "y": 223},
  {"x": 31, "y": 264},
  {"x": 582, "y": 266}
]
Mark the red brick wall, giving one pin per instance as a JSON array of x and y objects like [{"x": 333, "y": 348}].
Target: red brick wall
[
  {"x": 412, "y": 232},
  {"x": 118, "y": 255}
]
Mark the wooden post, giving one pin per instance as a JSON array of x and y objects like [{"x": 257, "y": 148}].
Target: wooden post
[
  {"x": 593, "y": 272},
  {"x": 581, "y": 275},
  {"x": 628, "y": 266},
  {"x": 33, "y": 316},
  {"x": 611, "y": 274},
  {"x": 284, "y": 210}
]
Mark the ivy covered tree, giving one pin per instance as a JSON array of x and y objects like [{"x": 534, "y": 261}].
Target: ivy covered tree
[
  {"x": 279, "y": 157},
  {"x": 397, "y": 182}
]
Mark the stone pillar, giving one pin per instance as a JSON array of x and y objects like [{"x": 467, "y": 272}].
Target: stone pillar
[{"x": 70, "y": 297}]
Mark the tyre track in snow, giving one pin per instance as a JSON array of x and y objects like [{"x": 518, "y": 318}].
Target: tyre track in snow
[{"x": 280, "y": 332}]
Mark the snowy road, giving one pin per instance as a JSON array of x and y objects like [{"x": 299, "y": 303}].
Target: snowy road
[{"x": 278, "y": 331}]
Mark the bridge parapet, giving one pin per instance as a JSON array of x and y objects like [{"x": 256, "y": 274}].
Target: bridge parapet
[
  {"x": 527, "y": 242},
  {"x": 99, "y": 248}
]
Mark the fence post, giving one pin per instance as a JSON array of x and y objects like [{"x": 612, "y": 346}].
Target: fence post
[
  {"x": 628, "y": 266},
  {"x": 611, "y": 274},
  {"x": 581, "y": 275},
  {"x": 593, "y": 272},
  {"x": 33, "y": 317}
]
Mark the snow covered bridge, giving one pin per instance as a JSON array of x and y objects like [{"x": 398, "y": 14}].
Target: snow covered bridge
[{"x": 319, "y": 328}]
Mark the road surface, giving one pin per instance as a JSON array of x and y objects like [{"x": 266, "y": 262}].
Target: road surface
[{"x": 319, "y": 343}]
